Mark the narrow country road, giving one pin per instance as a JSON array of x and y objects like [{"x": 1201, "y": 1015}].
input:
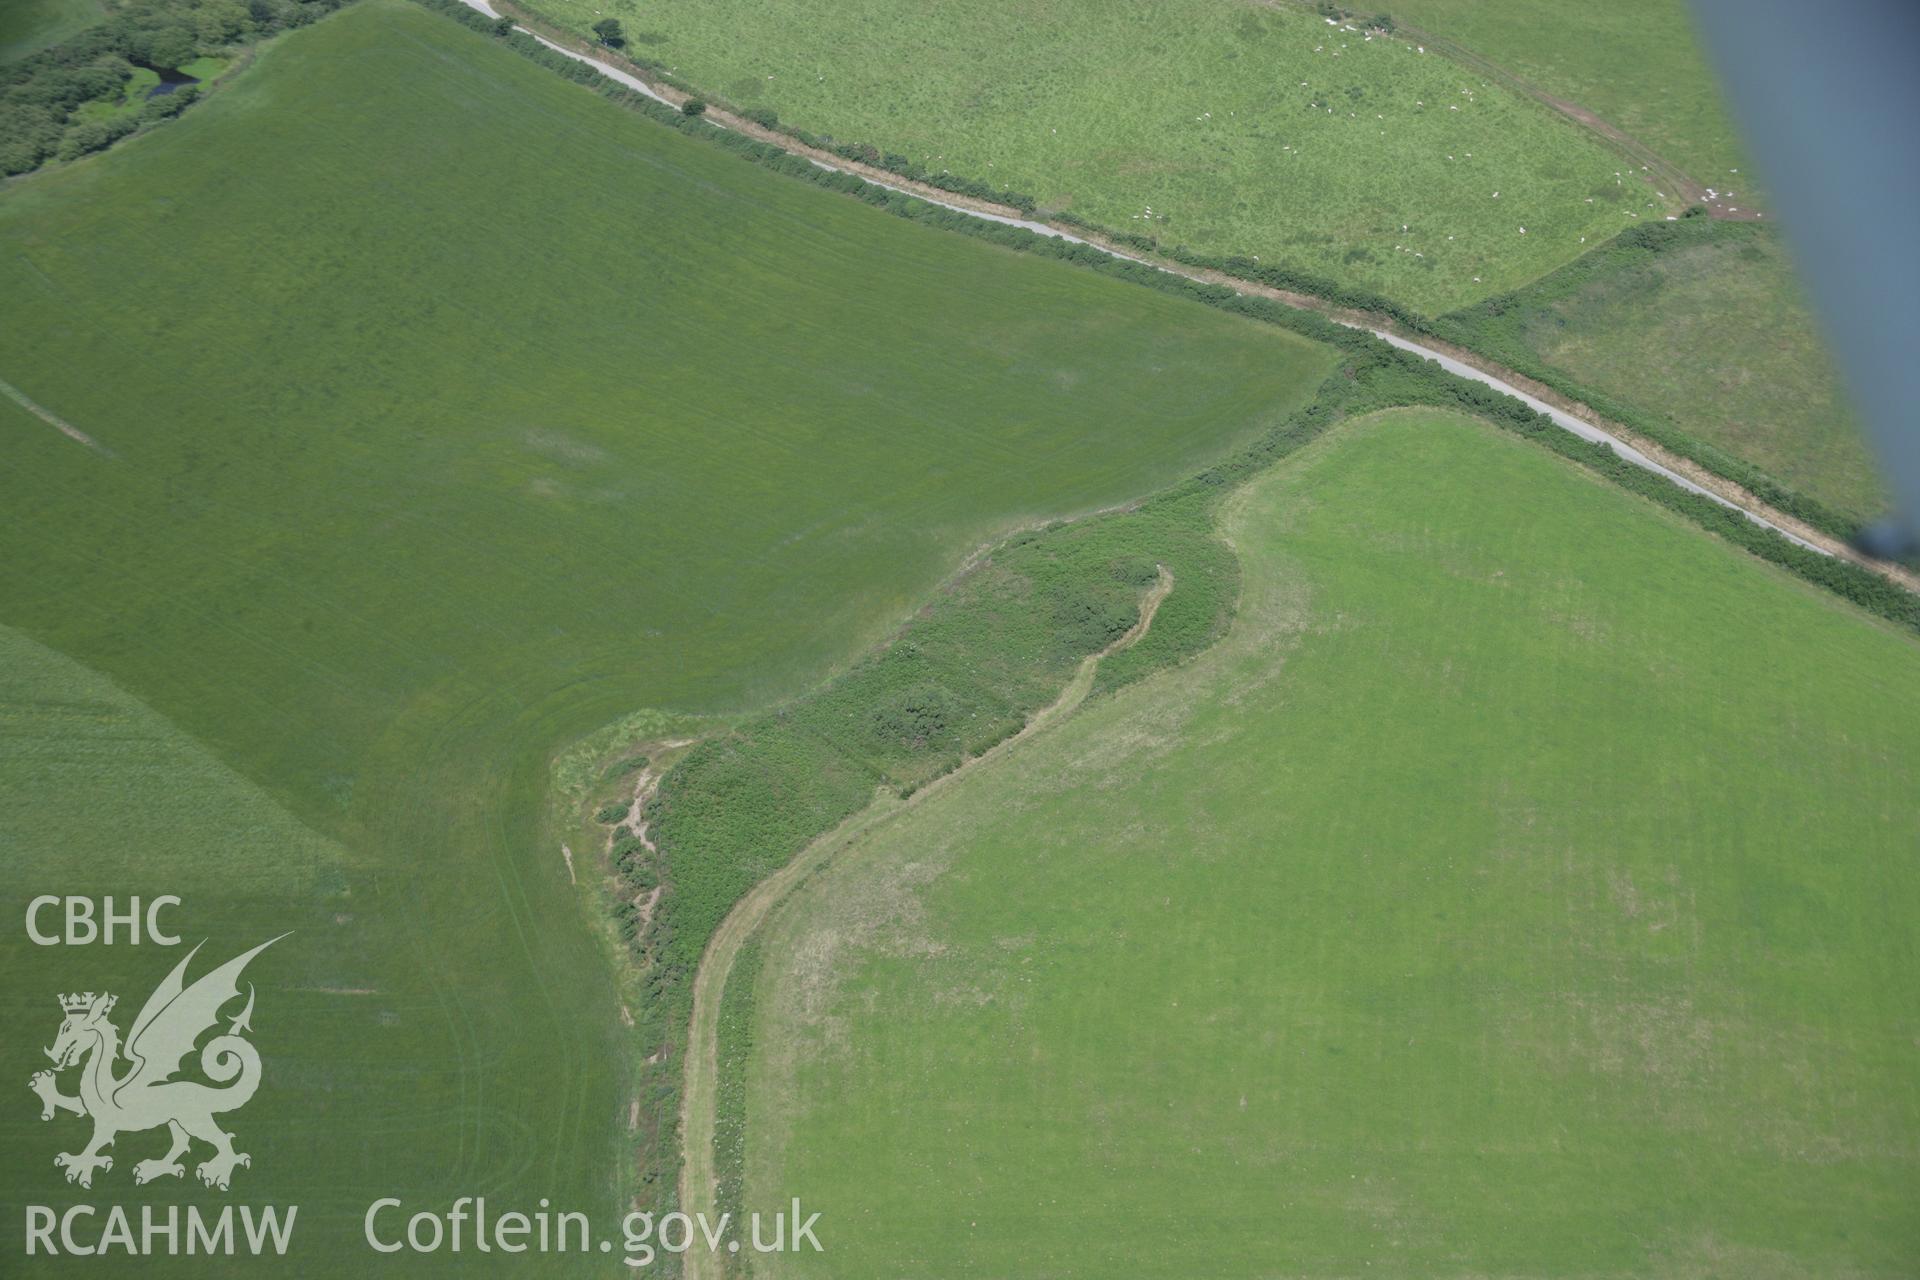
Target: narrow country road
[
  {"x": 1586, "y": 430},
  {"x": 698, "y": 1174}
]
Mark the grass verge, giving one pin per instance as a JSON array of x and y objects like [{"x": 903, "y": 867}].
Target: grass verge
[{"x": 1694, "y": 334}]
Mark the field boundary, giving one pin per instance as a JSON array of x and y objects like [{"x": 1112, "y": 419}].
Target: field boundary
[
  {"x": 1480, "y": 332},
  {"x": 699, "y": 1172},
  {"x": 1396, "y": 325},
  {"x": 1378, "y": 369},
  {"x": 1348, "y": 395},
  {"x": 1742, "y": 482}
]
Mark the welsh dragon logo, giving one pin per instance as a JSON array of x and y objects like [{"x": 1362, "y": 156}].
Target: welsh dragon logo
[{"x": 146, "y": 1095}]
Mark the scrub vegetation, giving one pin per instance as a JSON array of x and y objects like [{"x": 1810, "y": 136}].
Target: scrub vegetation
[
  {"x": 745, "y": 802},
  {"x": 991, "y": 649},
  {"x": 733, "y": 820},
  {"x": 373, "y": 538}
]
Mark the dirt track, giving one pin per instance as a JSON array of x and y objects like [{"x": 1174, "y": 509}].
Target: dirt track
[{"x": 698, "y": 1177}]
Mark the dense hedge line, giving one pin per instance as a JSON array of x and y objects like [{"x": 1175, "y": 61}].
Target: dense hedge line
[
  {"x": 994, "y": 647},
  {"x": 1002, "y": 640},
  {"x": 40, "y": 95},
  {"x": 1497, "y": 328},
  {"x": 1241, "y": 267},
  {"x": 913, "y": 170}
]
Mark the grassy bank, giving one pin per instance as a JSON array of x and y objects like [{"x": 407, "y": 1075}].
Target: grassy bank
[{"x": 1697, "y": 335}]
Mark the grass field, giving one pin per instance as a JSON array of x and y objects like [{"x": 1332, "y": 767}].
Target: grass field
[
  {"x": 67, "y": 731},
  {"x": 1635, "y": 63},
  {"x": 28, "y": 26},
  {"x": 454, "y": 412},
  {"x": 101, "y": 795},
  {"x": 1712, "y": 338},
  {"x": 1222, "y": 127},
  {"x": 1521, "y": 888}
]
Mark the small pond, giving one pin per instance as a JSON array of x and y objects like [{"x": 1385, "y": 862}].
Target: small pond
[{"x": 170, "y": 80}]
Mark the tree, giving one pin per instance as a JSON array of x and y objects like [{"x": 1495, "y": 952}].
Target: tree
[
  {"x": 170, "y": 104},
  {"x": 170, "y": 47},
  {"x": 608, "y": 29},
  {"x": 693, "y": 107},
  {"x": 220, "y": 22}
]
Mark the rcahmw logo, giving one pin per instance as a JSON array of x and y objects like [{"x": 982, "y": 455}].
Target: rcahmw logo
[{"x": 155, "y": 1090}]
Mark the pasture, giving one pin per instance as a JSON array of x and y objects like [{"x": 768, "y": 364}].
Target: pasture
[
  {"x": 448, "y": 412},
  {"x": 28, "y": 26},
  {"x": 1709, "y": 337},
  {"x": 1521, "y": 888},
  {"x": 1637, "y": 64},
  {"x": 1226, "y": 128}
]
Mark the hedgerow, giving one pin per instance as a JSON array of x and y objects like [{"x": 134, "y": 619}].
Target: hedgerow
[{"x": 997, "y": 645}]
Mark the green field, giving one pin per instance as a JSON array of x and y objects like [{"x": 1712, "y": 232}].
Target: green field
[
  {"x": 1711, "y": 338},
  {"x": 1637, "y": 64},
  {"x": 1239, "y": 128},
  {"x": 451, "y": 412},
  {"x": 28, "y": 26},
  {"x": 1522, "y": 888},
  {"x": 68, "y": 732},
  {"x": 100, "y": 795}
]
